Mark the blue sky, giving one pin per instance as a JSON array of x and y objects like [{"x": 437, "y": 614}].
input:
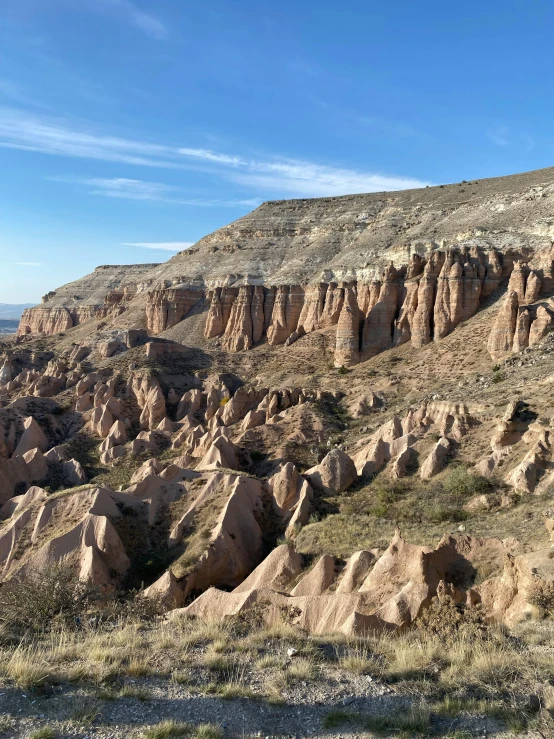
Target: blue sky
[{"x": 130, "y": 128}]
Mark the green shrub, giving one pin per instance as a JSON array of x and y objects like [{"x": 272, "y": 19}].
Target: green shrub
[
  {"x": 461, "y": 483},
  {"x": 440, "y": 513}
]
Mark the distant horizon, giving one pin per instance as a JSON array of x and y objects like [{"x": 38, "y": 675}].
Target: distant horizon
[{"x": 132, "y": 129}]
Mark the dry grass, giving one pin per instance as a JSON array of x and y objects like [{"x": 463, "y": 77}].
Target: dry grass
[
  {"x": 479, "y": 670},
  {"x": 26, "y": 667},
  {"x": 46, "y": 732},
  {"x": 357, "y": 658}
]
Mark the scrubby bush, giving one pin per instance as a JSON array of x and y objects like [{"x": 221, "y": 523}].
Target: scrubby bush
[
  {"x": 38, "y": 600},
  {"x": 461, "y": 483}
]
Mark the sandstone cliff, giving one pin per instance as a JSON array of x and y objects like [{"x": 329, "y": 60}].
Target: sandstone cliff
[{"x": 103, "y": 293}]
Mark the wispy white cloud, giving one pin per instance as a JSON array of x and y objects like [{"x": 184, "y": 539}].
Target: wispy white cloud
[
  {"x": 128, "y": 11},
  {"x": 164, "y": 245},
  {"x": 308, "y": 179},
  {"x": 14, "y": 93},
  {"x": 275, "y": 176},
  {"x": 210, "y": 156},
  {"x": 29, "y": 264},
  {"x": 131, "y": 189},
  {"x": 21, "y": 130},
  {"x": 300, "y": 177},
  {"x": 122, "y": 187}
]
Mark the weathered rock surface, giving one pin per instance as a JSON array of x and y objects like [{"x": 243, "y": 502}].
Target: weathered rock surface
[
  {"x": 391, "y": 591},
  {"x": 335, "y": 473}
]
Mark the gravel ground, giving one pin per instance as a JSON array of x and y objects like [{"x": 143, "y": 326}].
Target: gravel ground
[{"x": 82, "y": 711}]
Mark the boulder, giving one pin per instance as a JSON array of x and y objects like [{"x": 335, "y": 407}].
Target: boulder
[
  {"x": 334, "y": 474},
  {"x": 253, "y": 419},
  {"x": 300, "y": 511},
  {"x": 286, "y": 485},
  {"x": 372, "y": 458},
  {"x": 168, "y": 590},
  {"x": 150, "y": 467}
]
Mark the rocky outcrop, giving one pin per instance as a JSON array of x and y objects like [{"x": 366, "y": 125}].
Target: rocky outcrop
[
  {"x": 378, "y": 325},
  {"x": 436, "y": 461},
  {"x": 335, "y": 473},
  {"x": 502, "y": 333},
  {"x": 347, "y": 347},
  {"x": 287, "y": 306},
  {"x": 238, "y": 334},
  {"x": 28, "y": 468},
  {"x": 515, "y": 328},
  {"x": 33, "y": 437},
  {"x": 421, "y": 329},
  {"x": 150, "y": 400},
  {"x": 541, "y": 326},
  {"x": 103, "y": 293},
  {"x": 166, "y": 307},
  {"x": 389, "y": 591}
]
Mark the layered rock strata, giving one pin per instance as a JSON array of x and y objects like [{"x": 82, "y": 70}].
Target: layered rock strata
[{"x": 104, "y": 293}]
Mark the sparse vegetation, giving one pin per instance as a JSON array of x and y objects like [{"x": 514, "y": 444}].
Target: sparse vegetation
[
  {"x": 452, "y": 659},
  {"x": 366, "y": 516}
]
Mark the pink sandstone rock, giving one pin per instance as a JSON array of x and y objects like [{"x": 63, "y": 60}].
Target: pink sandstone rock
[
  {"x": 33, "y": 437},
  {"x": 502, "y": 333},
  {"x": 335, "y": 473}
]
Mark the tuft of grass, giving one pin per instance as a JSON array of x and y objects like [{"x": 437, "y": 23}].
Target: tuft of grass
[
  {"x": 45, "y": 733},
  {"x": 338, "y": 718},
  {"x": 138, "y": 668},
  {"x": 230, "y": 690},
  {"x": 218, "y": 663},
  {"x": 181, "y": 677},
  {"x": 168, "y": 730},
  {"x": 25, "y": 668},
  {"x": 6, "y": 723},
  {"x": 268, "y": 661},
  {"x": 301, "y": 669},
  {"x": 106, "y": 694},
  {"x": 85, "y": 713},
  {"x": 134, "y": 693},
  {"x": 358, "y": 659}
]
